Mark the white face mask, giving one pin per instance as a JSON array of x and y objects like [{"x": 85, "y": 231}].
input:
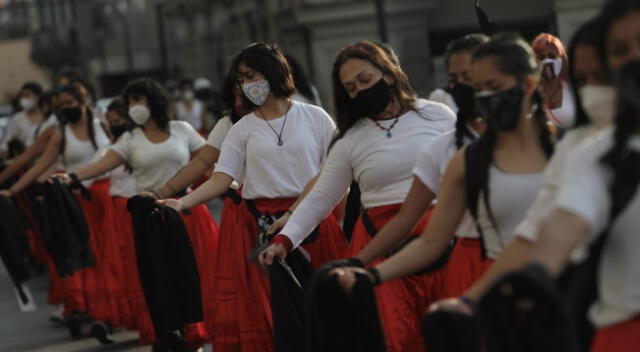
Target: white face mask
[
  {"x": 27, "y": 103},
  {"x": 139, "y": 114},
  {"x": 599, "y": 103},
  {"x": 555, "y": 63},
  {"x": 257, "y": 91},
  {"x": 188, "y": 95}
]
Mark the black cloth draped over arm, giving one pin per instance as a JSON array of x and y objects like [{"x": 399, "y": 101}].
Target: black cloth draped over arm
[
  {"x": 14, "y": 245},
  {"x": 166, "y": 264},
  {"x": 64, "y": 229},
  {"x": 339, "y": 322}
]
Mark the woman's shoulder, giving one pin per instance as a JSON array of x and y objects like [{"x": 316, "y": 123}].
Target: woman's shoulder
[
  {"x": 181, "y": 126},
  {"x": 434, "y": 109},
  {"x": 309, "y": 109},
  {"x": 442, "y": 118}
]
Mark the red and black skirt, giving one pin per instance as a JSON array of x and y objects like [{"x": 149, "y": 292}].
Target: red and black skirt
[{"x": 242, "y": 319}]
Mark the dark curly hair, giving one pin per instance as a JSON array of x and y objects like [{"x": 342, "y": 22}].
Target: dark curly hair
[
  {"x": 158, "y": 100},
  {"x": 269, "y": 60}
]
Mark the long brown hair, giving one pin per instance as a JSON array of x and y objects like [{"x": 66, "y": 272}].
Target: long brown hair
[{"x": 401, "y": 89}]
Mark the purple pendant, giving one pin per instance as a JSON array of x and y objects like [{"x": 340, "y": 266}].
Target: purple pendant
[{"x": 389, "y": 134}]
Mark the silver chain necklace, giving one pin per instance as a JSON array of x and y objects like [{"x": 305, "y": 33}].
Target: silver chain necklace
[{"x": 279, "y": 135}]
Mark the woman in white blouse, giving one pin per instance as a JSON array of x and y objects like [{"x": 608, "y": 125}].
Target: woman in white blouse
[
  {"x": 155, "y": 150},
  {"x": 274, "y": 152},
  {"x": 382, "y": 127},
  {"x": 75, "y": 144},
  {"x": 507, "y": 163}
]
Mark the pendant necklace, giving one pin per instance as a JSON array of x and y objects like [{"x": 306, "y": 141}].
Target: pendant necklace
[
  {"x": 279, "y": 135},
  {"x": 387, "y": 129}
]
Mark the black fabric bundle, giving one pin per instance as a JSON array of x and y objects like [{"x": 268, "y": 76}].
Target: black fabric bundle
[
  {"x": 64, "y": 229},
  {"x": 445, "y": 331},
  {"x": 289, "y": 296},
  {"x": 339, "y": 322},
  {"x": 14, "y": 244},
  {"x": 525, "y": 312},
  {"x": 166, "y": 264}
]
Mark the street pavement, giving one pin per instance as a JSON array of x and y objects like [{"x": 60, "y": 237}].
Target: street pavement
[{"x": 33, "y": 332}]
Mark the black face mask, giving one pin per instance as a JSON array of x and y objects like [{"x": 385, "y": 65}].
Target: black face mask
[
  {"x": 502, "y": 109},
  {"x": 465, "y": 97},
  {"x": 118, "y": 130},
  {"x": 371, "y": 101},
  {"x": 71, "y": 115}
]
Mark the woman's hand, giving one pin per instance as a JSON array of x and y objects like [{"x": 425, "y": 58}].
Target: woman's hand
[
  {"x": 148, "y": 194},
  {"x": 278, "y": 224},
  {"x": 267, "y": 256},
  {"x": 176, "y": 204},
  {"x": 347, "y": 277},
  {"x": 454, "y": 305}
]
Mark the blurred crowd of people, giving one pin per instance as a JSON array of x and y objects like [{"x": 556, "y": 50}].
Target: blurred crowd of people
[{"x": 498, "y": 214}]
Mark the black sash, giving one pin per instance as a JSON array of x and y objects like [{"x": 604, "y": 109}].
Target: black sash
[{"x": 437, "y": 264}]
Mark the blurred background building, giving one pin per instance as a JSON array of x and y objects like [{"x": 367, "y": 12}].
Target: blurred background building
[{"x": 113, "y": 41}]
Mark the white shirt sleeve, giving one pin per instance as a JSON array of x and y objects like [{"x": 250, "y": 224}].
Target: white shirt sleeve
[
  {"x": 193, "y": 137},
  {"x": 427, "y": 168},
  {"x": 219, "y": 132},
  {"x": 10, "y": 132},
  {"x": 441, "y": 96},
  {"x": 335, "y": 177},
  {"x": 326, "y": 131},
  {"x": 122, "y": 145},
  {"x": 233, "y": 153},
  {"x": 585, "y": 187}
]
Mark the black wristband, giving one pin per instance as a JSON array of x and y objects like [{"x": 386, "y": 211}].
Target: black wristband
[
  {"x": 375, "y": 275},
  {"x": 353, "y": 261},
  {"x": 74, "y": 177}
]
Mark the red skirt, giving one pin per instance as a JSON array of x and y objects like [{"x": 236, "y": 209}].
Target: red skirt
[
  {"x": 621, "y": 337},
  {"x": 133, "y": 288},
  {"x": 403, "y": 302},
  {"x": 243, "y": 313},
  {"x": 465, "y": 266},
  {"x": 204, "y": 235},
  {"x": 105, "y": 283}
]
